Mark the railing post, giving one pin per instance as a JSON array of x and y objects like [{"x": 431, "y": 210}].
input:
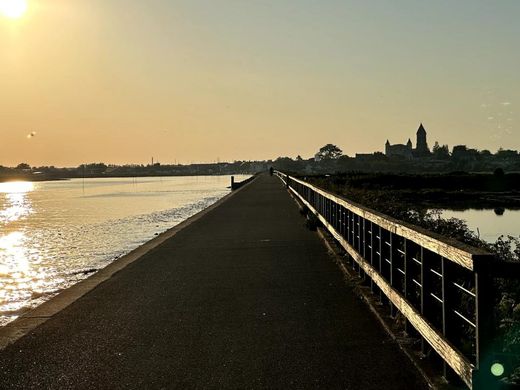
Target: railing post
[
  {"x": 371, "y": 254},
  {"x": 364, "y": 247},
  {"x": 408, "y": 284},
  {"x": 353, "y": 231},
  {"x": 482, "y": 376},
  {"x": 347, "y": 226},
  {"x": 333, "y": 214},
  {"x": 425, "y": 293},
  {"x": 340, "y": 227},
  {"x": 393, "y": 311},
  {"x": 447, "y": 309},
  {"x": 232, "y": 182},
  {"x": 380, "y": 258}
]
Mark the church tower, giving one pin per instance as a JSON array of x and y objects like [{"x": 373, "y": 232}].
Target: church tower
[{"x": 422, "y": 144}]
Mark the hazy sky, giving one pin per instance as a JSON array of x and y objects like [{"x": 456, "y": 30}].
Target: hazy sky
[{"x": 200, "y": 80}]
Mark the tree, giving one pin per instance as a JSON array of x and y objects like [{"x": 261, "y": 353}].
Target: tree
[
  {"x": 284, "y": 163},
  {"x": 459, "y": 152},
  {"x": 506, "y": 153},
  {"x": 328, "y": 152},
  {"x": 441, "y": 152},
  {"x": 92, "y": 168},
  {"x": 23, "y": 166}
]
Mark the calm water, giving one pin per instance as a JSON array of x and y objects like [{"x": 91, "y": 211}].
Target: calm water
[
  {"x": 488, "y": 223},
  {"x": 53, "y": 234}
]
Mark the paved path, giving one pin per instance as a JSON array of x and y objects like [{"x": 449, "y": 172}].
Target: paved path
[{"x": 244, "y": 298}]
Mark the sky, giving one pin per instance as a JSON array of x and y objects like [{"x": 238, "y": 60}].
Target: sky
[{"x": 122, "y": 81}]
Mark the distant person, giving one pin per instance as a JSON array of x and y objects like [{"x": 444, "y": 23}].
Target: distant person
[{"x": 271, "y": 170}]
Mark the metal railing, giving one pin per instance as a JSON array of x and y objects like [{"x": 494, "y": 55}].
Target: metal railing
[{"x": 442, "y": 287}]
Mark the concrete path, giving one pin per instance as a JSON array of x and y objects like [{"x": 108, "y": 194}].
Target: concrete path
[{"x": 243, "y": 298}]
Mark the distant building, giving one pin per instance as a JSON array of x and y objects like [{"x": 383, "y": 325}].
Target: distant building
[
  {"x": 421, "y": 149},
  {"x": 399, "y": 150},
  {"x": 406, "y": 151},
  {"x": 464, "y": 154}
]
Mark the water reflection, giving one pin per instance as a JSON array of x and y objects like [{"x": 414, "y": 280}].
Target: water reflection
[
  {"x": 499, "y": 211},
  {"x": 15, "y": 204},
  {"x": 17, "y": 279},
  {"x": 13, "y": 253},
  {"x": 16, "y": 187},
  {"x": 489, "y": 224}
]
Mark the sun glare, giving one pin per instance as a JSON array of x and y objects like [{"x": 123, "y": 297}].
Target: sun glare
[
  {"x": 13, "y": 8},
  {"x": 15, "y": 187}
]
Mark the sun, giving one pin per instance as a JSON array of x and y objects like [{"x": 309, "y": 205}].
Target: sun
[{"x": 13, "y": 8}]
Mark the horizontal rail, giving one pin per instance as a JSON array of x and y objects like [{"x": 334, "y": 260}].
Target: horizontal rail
[
  {"x": 450, "y": 249},
  {"x": 464, "y": 318},
  {"x": 472, "y": 294}
]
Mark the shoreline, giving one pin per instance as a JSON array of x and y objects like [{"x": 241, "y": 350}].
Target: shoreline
[{"x": 64, "y": 178}]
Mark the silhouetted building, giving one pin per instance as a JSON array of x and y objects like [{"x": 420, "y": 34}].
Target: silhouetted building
[
  {"x": 399, "y": 150},
  {"x": 462, "y": 153},
  {"x": 421, "y": 149},
  {"x": 406, "y": 151}
]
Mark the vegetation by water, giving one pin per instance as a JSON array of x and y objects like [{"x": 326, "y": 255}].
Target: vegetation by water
[
  {"x": 458, "y": 190},
  {"x": 24, "y": 171}
]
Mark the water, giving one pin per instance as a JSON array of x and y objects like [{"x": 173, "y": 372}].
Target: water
[
  {"x": 490, "y": 224},
  {"x": 54, "y": 234}
]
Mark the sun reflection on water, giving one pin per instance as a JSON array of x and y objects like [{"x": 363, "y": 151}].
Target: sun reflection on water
[
  {"x": 16, "y": 187},
  {"x": 12, "y": 251},
  {"x": 18, "y": 279},
  {"x": 16, "y": 205}
]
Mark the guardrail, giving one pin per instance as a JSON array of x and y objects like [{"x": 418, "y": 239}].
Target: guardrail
[{"x": 443, "y": 288}]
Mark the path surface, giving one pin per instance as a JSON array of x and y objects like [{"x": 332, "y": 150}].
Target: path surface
[{"x": 244, "y": 298}]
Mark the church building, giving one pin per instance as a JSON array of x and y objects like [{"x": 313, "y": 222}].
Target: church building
[{"x": 406, "y": 151}]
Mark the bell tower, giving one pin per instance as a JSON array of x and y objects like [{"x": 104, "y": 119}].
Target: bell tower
[{"x": 422, "y": 143}]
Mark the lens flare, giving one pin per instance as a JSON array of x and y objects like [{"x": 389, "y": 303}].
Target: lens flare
[{"x": 497, "y": 369}]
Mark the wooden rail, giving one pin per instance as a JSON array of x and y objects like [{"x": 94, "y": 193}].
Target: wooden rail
[{"x": 442, "y": 287}]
